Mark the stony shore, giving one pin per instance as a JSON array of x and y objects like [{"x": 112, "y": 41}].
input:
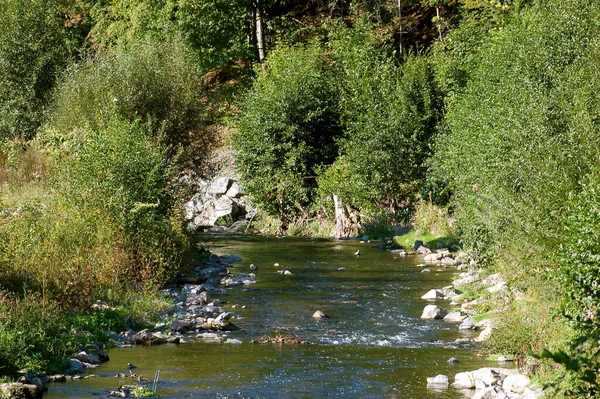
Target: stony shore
[{"x": 489, "y": 382}]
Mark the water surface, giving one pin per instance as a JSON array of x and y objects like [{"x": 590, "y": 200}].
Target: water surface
[{"x": 374, "y": 345}]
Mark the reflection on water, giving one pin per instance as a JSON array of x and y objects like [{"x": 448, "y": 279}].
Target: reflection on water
[{"x": 374, "y": 345}]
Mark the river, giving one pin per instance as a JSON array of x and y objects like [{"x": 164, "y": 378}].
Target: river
[{"x": 373, "y": 345}]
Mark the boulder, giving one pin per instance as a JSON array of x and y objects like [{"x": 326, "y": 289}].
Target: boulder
[
  {"x": 219, "y": 186},
  {"x": 431, "y": 312},
  {"x": 454, "y": 317},
  {"x": 516, "y": 383},
  {"x": 482, "y": 378},
  {"x": 181, "y": 326},
  {"x": 75, "y": 367},
  {"x": 433, "y": 257},
  {"x": 495, "y": 392},
  {"x": 423, "y": 250},
  {"x": 439, "y": 381},
  {"x": 319, "y": 315},
  {"x": 234, "y": 190},
  {"x": 433, "y": 294},
  {"x": 20, "y": 391}
]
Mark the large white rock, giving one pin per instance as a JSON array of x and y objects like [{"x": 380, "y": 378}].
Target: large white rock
[
  {"x": 464, "y": 380},
  {"x": 439, "y": 381},
  {"x": 433, "y": 294},
  {"x": 219, "y": 186},
  {"x": 484, "y": 377},
  {"x": 516, "y": 383},
  {"x": 433, "y": 312},
  {"x": 234, "y": 190}
]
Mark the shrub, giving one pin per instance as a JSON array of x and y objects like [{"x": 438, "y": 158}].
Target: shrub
[
  {"x": 154, "y": 82},
  {"x": 511, "y": 154},
  {"x": 104, "y": 225},
  {"x": 32, "y": 54},
  {"x": 287, "y": 128},
  {"x": 390, "y": 116}
]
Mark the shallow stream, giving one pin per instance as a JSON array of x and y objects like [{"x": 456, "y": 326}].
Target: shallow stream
[{"x": 373, "y": 345}]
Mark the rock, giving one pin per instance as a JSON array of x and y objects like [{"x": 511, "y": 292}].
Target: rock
[
  {"x": 450, "y": 293},
  {"x": 464, "y": 380},
  {"x": 505, "y": 359},
  {"x": 495, "y": 392},
  {"x": 211, "y": 272},
  {"x": 455, "y": 317},
  {"x": 219, "y": 186},
  {"x": 210, "y": 337},
  {"x": 234, "y": 190},
  {"x": 433, "y": 294},
  {"x": 433, "y": 312},
  {"x": 448, "y": 261},
  {"x": 501, "y": 286},
  {"x": 233, "y": 341},
  {"x": 181, "y": 326},
  {"x": 17, "y": 390},
  {"x": 423, "y": 250},
  {"x": 319, "y": 315},
  {"x": 439, "y": 381},
  {"x": 76, "y": 367},
  {"x": 433, "y": 257},
  {"x": 453, "y": 360},
  {"x": 516, "y": 383},
  {"x": 55, "y": 378},
  {"x": 484, "y": 377},
  {"x": 426, "y": 271}
]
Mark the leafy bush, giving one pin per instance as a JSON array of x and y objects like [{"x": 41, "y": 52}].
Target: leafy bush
[
  {"x": 154, "y": 82},
  {"x": 287, "y": 128},
  {"x": 104, "y": 224},
  {"x": 390, "y": 116},
  {"x": 579, "y": 274},
  {"x": 33, "y": 335},
  {"x": 32, "y": 53},
  {"x": 512, "y": 154}
]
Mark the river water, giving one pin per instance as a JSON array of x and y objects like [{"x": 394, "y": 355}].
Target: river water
[{"x": 373, "y": 345}]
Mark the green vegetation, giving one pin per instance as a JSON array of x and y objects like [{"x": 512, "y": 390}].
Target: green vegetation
[{"x": 482, "y": 134}]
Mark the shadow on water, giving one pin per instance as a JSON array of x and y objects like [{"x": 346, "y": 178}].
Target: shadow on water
[{"x": 374, "y": 345}]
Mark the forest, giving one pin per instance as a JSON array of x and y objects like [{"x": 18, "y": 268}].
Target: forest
[{"x": 476, "y": 120}]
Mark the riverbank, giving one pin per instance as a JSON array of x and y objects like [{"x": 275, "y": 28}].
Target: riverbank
[{"x": 474, "y": 308}]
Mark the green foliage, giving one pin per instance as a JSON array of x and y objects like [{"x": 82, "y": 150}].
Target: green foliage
[
  {"x": 144, "y": 392},
  {"x": 512, "y": 153},
  {"x": 33, "y": 335},
  {"x": 390, "y": 116},
  {"x": 154, "y": 82},
  {"x": 32, "y": 54},
  {"x": 287, "y": 128},
  {"x": 218, "y": 30},
  {"x": 579, "y": 274}
]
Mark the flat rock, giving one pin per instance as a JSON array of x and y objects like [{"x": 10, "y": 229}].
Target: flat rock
[{"x": 439, "y": 381}]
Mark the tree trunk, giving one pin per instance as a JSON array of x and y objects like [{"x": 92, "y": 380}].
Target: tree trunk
[
  {"x": 260, "y": 34},
  {"x": 439, "y": 22},
  {"x": 400, "y": 22},
  {"x": 345, "y": 224}
]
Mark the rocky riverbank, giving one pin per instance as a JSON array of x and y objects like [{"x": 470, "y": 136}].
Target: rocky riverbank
[{"x": 464, "y": 311}]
